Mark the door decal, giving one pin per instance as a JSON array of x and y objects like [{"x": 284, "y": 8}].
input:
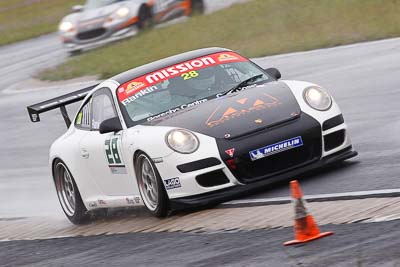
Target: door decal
[{"x": 113, "y": 155}]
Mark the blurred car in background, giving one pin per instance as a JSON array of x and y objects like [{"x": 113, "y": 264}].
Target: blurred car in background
[{"x": 102, "y": 21}]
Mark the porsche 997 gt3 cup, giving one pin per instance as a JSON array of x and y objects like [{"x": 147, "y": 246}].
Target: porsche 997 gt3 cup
[
  {"x": 102, "y": 21},
  {"x": 192, "y": 129}
]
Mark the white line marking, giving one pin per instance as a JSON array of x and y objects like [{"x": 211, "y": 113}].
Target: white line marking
[
  {"x": 321, "y": 197},
  {"x": 387, "y": 218}
]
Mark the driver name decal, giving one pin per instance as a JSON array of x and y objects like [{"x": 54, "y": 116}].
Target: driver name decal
[
  {"x": 145, "y": 82},
  {"x": 174, "y": 110}
]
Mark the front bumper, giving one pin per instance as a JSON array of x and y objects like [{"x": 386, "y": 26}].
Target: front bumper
[
  {"x": 230, "y": 193},
  {"x": 111, "y": 34}
]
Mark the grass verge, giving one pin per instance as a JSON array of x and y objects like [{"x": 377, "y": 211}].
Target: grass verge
[
  {"x": 257, "y": 28},
  {"x": 25, "y": 19}
]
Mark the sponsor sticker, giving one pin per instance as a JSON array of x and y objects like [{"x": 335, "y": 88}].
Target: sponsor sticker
[
  {"x": 174, "y": 110},
  {"x": 139, "y": 84},
  {"x": 118, "y": 169},
  {"x": 93, "y": 204},
  {"x": 227, "y": 57},
  {"x": 241, "y": 107},
  {"x": 172, "y": 183},
  {"x": 134, "y": 86},
  {"x": 130, "y": 201},
  {"x": 137, "y": 200},
  {"x": 276, "y": 148},
  {"x": 230, "y": 152},
  {"x": 34, "y": 117}
]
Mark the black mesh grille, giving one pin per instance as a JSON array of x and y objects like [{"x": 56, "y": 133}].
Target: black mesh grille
[
  {"x": 334, "y": 140},
  {"x": 332, "y": 122},
  {"x": 252, "y": 170},
  {"x": 212, "y": 179},
  {"x": 248, "y": 171},
  {"x": 91, "y": 34}
]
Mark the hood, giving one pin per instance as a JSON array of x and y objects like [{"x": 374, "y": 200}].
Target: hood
[
  {"x": 97, "y": 15},
  {"x": 237, "y": 114}
]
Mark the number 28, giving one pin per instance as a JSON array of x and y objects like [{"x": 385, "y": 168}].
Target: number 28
[{"x": 190, "y": 75}]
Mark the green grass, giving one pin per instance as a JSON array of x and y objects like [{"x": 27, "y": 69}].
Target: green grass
[
  {"x": 25, "y": 19},
  {"x": 257, "y": 28}
]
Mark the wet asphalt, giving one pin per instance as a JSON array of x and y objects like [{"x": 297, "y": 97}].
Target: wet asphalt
[{"x": 359, "y": 245}]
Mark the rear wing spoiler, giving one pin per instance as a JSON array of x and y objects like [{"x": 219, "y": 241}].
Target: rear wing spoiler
[{"x": 58, "y": 102}]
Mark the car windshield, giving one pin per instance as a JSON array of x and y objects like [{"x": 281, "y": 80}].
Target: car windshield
[
  {"x": 182, "y": 86},
  {"x": 93, "y": 4}
]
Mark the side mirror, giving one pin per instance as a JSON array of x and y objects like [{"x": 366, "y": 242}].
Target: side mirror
[
  {"x": 77, "y": 8},
  {"x": 110, "y": 125},
  {"x": 274, "y": 73}
]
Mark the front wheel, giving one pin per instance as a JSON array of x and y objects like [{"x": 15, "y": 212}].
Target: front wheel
[
  {"x": 68, "y": 194},
  {"x": 145, "y": 19},
  {"x": 197, "y": 7},
  {"x": 151, "y": 187},
  {"x": 73, "y": 53}
]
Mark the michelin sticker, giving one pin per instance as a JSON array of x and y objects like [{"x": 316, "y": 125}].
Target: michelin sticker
[
  {"x": 276, "y": 148},
  {"x": 172, "y": 183}
]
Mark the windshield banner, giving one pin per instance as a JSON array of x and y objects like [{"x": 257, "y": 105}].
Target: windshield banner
[{"x": 144, "y": 82}]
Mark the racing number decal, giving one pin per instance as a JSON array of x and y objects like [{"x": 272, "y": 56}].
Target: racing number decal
[
  {"x": 189, "y": 75},
  {"x": 112, "y": 152},
  {"x": 113, "y": 156}
]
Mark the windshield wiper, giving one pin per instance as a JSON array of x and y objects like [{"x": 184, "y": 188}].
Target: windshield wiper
[{"x": 242, "y": 84}]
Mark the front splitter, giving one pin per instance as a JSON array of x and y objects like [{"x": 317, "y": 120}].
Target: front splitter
[{"x": 230, "y": 193}]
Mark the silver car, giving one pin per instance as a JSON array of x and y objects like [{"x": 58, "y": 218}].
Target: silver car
[{"x": 102, "y": 21}]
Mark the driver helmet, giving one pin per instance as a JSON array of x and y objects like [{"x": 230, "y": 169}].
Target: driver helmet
[{"x": 204, "y": 81}]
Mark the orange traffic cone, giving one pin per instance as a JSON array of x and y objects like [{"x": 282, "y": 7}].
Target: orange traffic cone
[{"x": 305, "y": 228}]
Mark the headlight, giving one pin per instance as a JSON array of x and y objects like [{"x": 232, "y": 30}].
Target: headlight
[
  {"x": 317, "y": 98},
  {"x": 182, "y": 141},
  {"x": 122, "y": 12},
  {"x": 66, "y": 26}
]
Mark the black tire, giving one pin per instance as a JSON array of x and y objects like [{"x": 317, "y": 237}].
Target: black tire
[
  {"x": 145, "y": 18},
  {"x": 197, "y": 7},
  {"x": 73, "y": 207},
  {"x": 74, "y": 53},
  {"x": 160, "y": 206}
]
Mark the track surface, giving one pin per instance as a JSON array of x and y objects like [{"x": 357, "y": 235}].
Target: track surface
[{"x": 352, "y": 245}]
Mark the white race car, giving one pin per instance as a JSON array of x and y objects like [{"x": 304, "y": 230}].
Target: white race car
[{"x": 193, "y": 129}]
